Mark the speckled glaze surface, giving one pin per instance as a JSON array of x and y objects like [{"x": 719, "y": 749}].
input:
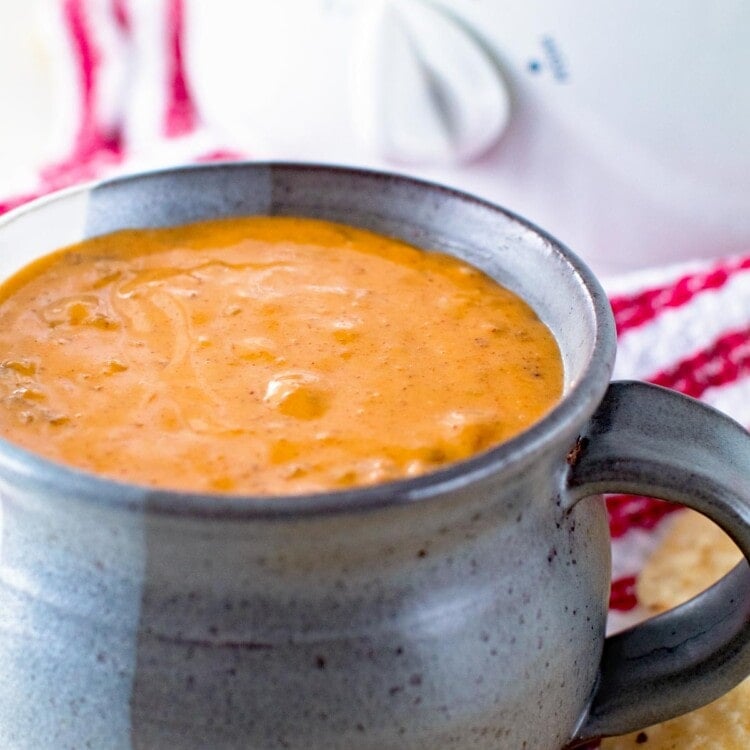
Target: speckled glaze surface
[{"x": 465, "y": 609}]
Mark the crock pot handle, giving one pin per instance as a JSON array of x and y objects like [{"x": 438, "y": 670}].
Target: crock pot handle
[{"x": 650, "y": 441}]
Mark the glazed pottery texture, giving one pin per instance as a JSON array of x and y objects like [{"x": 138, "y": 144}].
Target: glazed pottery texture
[{"x": 464, "y": 609}]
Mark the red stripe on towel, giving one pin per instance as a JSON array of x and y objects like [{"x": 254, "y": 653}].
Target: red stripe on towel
[
  {"x": 121, "y": 15},
  {"x": 221, "y": 154},
  {"x": 622, "y": 594},
  {"x": 180, "y": 115},
  {"x": 17, "y": 200},
  {"x": 92, "y": 136},
  {"x": 635, "y": 511},
  {"x": 95, "y": 147},
  {"x": 632, "y": 311},
  {"x": 725, "y": 361}
]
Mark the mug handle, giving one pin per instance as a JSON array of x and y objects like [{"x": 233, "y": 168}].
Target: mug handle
[{"x": 648, "y": 440}]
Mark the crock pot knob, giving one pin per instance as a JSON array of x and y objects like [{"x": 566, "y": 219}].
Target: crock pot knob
[{"x": 424, "y": 89}]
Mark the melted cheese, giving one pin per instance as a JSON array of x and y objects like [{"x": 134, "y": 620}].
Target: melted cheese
[{"x": 267, "y": 356}]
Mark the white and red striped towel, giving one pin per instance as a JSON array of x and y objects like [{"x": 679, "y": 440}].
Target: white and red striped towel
[
  {"x": 688, "y": 330},
  {"x": 119, "y": 67},
  {"x": 684, "y": 328}
]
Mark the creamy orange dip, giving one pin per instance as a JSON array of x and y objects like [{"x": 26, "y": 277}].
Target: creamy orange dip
[{"x": 265, "y": 356}]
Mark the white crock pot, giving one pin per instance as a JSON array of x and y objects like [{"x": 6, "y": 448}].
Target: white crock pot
[{"x": 620, "y": 126}]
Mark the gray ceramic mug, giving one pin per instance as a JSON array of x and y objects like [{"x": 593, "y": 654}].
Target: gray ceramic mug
[{"x": 463, "y": 609}]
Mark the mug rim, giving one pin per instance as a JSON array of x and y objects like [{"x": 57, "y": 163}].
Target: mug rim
[{"x": 573, "y": 409}]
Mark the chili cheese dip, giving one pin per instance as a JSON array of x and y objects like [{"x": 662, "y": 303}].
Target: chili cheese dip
[{"x": 265, "y": 355}]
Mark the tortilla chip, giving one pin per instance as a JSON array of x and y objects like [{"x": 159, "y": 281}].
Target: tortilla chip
[
  {"x": 722, "y": 725},
  {"x": 694, "y": 554}
]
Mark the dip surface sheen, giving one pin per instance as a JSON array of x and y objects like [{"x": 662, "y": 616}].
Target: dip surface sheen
[{"x": 267, "y": 356}]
